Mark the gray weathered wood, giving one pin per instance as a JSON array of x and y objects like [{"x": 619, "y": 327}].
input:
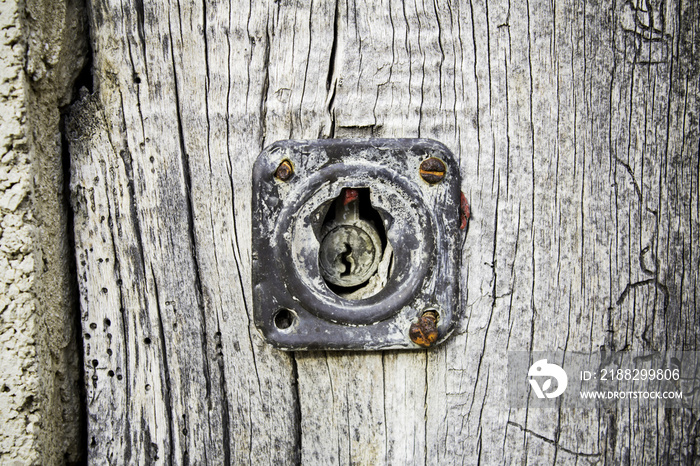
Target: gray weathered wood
[{"x": 576, "y": 127}]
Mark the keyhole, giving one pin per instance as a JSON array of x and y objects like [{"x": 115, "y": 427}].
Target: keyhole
[
  {"x": 347, "y": 261},
  {"x": 353, "y": 246}
]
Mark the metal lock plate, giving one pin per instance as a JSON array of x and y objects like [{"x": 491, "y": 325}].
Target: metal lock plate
[{"x": 355, "y": 243}]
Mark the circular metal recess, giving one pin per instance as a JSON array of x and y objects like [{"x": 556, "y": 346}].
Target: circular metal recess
[{"x": 410, "y": 226}]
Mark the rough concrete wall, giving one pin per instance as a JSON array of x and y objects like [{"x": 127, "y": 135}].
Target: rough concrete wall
[{"x": 42, "y": 50}]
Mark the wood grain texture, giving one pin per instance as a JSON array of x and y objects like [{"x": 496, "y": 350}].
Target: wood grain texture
[{"x": 576, "y": 127}]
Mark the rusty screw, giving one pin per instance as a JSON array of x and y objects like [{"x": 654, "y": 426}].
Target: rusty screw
[
  {"x": 424, "y": 332},
  {"x": 285, "y": 171},
  {"x": 432, "y": 170}
]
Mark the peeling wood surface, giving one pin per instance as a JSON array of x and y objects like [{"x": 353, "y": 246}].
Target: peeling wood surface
[{"x": 576, "y": 127}]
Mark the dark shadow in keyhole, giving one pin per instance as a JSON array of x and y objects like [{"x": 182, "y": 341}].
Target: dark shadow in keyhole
[
  {"x": 367, "y": 213},
  {"x": 345, "y": 259}
]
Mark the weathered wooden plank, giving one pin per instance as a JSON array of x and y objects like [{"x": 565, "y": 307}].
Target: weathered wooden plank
[
  {"x": 367, "y": 96},
  {"x": 569, "y": 93},
  {"x": 159, "y": 133},
  {"x": 576, "y": 129}
]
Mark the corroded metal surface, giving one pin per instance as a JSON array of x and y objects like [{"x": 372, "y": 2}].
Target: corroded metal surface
[
  {"x": 305, "y": 266},
  {"x": 424, "y": 332}
]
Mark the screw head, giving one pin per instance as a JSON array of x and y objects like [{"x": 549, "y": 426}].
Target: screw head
[
  {"x": 432, "y": 170},
  {"x": 424, "y": 332},
  {"x": 284, "y": 171}
]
